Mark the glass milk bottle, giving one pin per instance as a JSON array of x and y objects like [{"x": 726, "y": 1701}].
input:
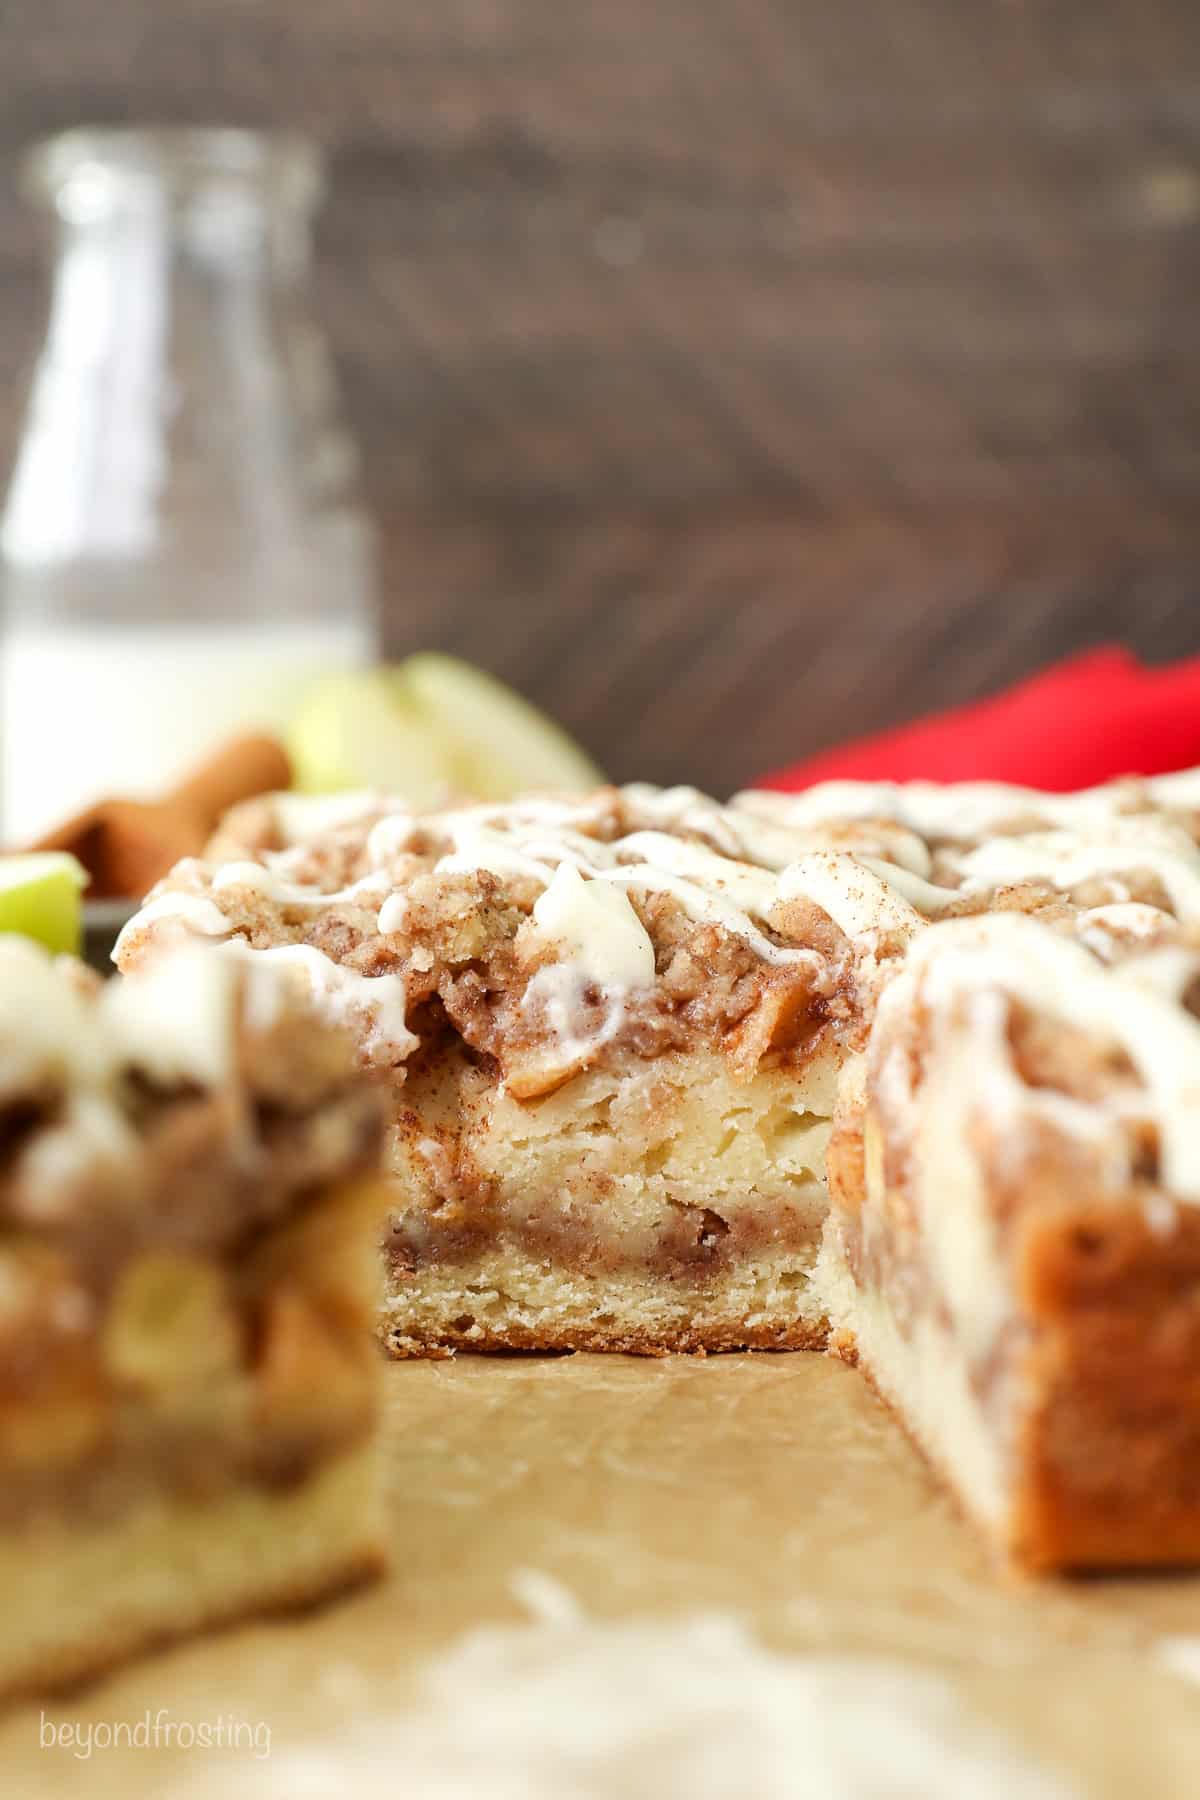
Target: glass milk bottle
[{"x": 183, "y": 545}]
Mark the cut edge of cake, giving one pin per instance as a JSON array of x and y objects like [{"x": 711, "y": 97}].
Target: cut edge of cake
[
  {"x": 189, "y": 1377},
  {"x": 1016, "y": 1270}
]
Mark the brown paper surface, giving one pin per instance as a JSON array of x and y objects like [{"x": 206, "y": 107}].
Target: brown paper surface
[{"x": 773, "y": 1487}]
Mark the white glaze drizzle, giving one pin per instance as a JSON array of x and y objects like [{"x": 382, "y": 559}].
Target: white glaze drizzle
[
  {"x": 852, "y": 892},
  {"x": 759, "y": 838},
  {"x": 958, "y": 810},
  {"x": 478, "y": 847},
  {"x": 264, "y": 880},
  {"x": 46, "y": 1026},
  {"x": 1096, "y": 836},
  {"x": 738, "y": 835},
  {"x": 1179, "y": 790},
  {"x": 1067, "y": 859},
  {"x": 598, "y": 929},
  {"x": 970, "y": 809},
  {"x": 175, "y": 1018},
  {"x": 393, "y": 914},
  {"x": 739, "y": 863},
  {"x": 711, "y": 889},
  {"x": 301, "y": 817},
  {"x": 389, "y": 838},
  {"x": 925, "y": 896},
  {"x": 532, "y": 839},
  {"x": 1123, "y": 925},
  {"x": 743, "y": 834},
  {"x": 734, "y": 888},
  {"x": 704, "y": 906},
  {"x": 557, "y": 993},
  {"x": 344, "y": 995},
  {"x": 1055, "y": 977},
  {"x": 1167, "y": 971},
  {"x": 188, "y": 915}
]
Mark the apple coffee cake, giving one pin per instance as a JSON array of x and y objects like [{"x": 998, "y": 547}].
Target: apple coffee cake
[
  {"x": 189, "y": 1205},
  {"x": 618, "y": 1030},
  {"x": 1013, "y": 1247},
  {"x": 616, "y": 1026}
]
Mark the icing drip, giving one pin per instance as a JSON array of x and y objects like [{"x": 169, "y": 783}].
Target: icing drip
[
  {"x": 1067, "y": 859},
  {"x": 959, "y": 810},
  {"x": 603, "y": 947},
  {"x": 1168, "y": 971},
  {"x": 741, "y": 861},
  {"x": 598, "y": 928},
  {"x": 855, "y": 894},
  {"x": 1052, "y": 976},
  {"x": 479, "y": 847},
  {"x": 1180, "y": 790},
  {"x": 706, "y": 907},
  {"x": 733, "y": 868},
  {"x": 393, "y": 914},
  {"x": 188, "y": 915},
  {"x": 266, "y": 881},
  {"x": 1109, "y": 930},
  {"x": 559, "y": 992},
  {"x": 1095, "y": 839},
  {"x": 923, "y": 895},
  {"x": 344, "y": 995},
  {"x": 389, "y": 839},
  {"x": 711, "y": 889},
  {"x": 970, "y": 809},
  {"x": 304, "y": 816},
  {"x": 735, "y": 834},
  {"x": 176, "y": 1018},
  {"x": 753, "y": 889},
  {"x": 46, "y": 1027}
]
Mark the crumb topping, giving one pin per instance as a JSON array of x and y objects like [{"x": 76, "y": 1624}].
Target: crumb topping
[
  {"x": 549, "y": 932},
  {"x": 119, "y": 1103},
  {"x": 1032, "y": 1031}
]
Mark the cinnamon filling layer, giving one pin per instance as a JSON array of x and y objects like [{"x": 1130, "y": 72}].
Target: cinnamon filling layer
[{"x": 687, "y": 1243}]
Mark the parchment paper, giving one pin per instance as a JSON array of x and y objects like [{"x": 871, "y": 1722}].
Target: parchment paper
[{"x": 775, "y": 1488}]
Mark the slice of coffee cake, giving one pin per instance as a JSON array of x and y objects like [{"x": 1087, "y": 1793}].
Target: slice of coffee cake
[
  {"x": 615, "y": 1027},
  {"x": 189, "y": 1203},
  {"x": 1013, "y": 1248}
]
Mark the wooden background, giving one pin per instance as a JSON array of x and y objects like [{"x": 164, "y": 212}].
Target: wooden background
[{"x": 732, "y": 374}]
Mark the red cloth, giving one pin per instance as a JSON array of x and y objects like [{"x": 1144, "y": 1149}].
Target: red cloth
[{"x": 1075, "y": 724}]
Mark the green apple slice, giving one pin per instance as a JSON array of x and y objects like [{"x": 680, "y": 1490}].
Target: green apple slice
[
  {"x": 499, "y": 744},
  {"x": 353, "y": 732},
  {"x": 41, "y": 898},
  {"x": 428, "y": 729}
]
